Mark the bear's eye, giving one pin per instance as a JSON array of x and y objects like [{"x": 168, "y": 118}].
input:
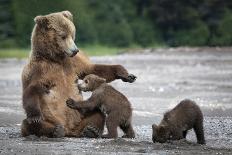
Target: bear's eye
[
  {"x": 63, "y": 37},
  {"x": 86, "y": 81}
]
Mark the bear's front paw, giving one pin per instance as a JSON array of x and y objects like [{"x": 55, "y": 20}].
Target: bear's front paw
[
  {"x": 71, "y": 103},
  {"x": 130, "y": 78}
]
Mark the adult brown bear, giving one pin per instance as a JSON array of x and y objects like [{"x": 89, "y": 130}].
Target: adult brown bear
[{"x": 48, "y": 81}]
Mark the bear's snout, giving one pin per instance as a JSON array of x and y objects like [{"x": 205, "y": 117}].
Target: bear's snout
[
  {"x": 74, "y": 50},
  {"x": 71, "y": 49}
]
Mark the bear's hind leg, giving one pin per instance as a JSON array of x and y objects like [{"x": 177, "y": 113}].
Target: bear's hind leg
[
  {"x": 42, "y": 129},
  {"x": 58, "y": 131},
  {"x": 50, "y": 130}
]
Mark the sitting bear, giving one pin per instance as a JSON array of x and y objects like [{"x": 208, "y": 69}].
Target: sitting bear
[
  {"x": 111, "y": 102},
  {"x": 47, "y": 81},
  {"x": 176, "y": 123}
]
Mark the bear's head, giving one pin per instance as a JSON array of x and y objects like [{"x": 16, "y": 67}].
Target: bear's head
[
  {"x": 54, "y": 35},
  {"x": 160, "y": 133},
  {"x": 91, "y": 82}
]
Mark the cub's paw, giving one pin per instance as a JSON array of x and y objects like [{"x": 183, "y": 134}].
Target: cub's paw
[
  {"x": 108, "y": 136},
  {"x": 202, "y": 142},
  {"x": 130, "y": 78},
  {"x": 58, "y": 131},
  {"x": 91, "y": 132},
  {"x": 128, "y": 136},
  {"x": 71, "y": 103},
  {"x": 105, "y": 136}
]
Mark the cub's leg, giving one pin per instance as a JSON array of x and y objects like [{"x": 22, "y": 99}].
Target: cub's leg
[
  {"x": 176, "y": 134},
  {"x": 185, "y": 133},
  {"x": 111, "y": 124},
  {"x": 199, "y": 131},
  {"x": 128, "y": 130}
]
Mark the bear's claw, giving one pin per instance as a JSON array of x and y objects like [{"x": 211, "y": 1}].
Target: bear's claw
[
  {"x": 130, "y": 78},
  {"x": 35, "y": 119}
]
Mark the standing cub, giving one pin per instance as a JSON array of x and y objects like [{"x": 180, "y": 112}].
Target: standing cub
[
  {"x": 110, "y": 101},
  {"x": 176, "y": 123}
]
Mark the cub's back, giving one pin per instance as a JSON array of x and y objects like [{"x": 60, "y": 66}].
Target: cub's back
[
  {"x": 114, "y": 99},
  {"x": 186, "y": 112}
]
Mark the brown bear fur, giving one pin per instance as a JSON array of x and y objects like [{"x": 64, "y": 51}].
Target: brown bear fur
[
  {"x": 110, "y": 101},
  {"x": 48, "y": 80},
  {"x": 176, "y": 123}
]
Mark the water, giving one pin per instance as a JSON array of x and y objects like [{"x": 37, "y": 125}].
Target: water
[{"x": 164, "y": 79}]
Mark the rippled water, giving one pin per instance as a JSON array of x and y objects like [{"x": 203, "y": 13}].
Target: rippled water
[{"x": 164, "y": 79}]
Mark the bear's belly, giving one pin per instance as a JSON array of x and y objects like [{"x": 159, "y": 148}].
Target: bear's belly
[{"x": 55, "y": 108}]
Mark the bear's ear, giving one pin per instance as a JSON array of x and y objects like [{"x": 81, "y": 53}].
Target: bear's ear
[
  {"x": 41, "y": 21},
  {"x": 68, "y": 15}
]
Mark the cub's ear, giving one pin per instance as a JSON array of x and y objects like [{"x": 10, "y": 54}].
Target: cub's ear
[
  {"x": 102, "y": 80},
  {"x": 154, "y": 126},
  {"x": 41, "y": 21},
  {"x": 68, "y": 15}
]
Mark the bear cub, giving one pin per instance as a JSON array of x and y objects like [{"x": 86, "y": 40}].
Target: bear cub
[
  {"x": 109, "y": 101},
  {"x": 176, "y": 123}
]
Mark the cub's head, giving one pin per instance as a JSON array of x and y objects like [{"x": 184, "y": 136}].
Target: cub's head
[
  {"x": 160, "y": 133},
  {"x": 91, "y": 82},
  {"x": 54, "y": 35}
]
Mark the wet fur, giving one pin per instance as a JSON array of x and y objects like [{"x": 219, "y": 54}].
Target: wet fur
[
  {"x": 48, "y": 81},
  {"x": 176, "y": 123},
  {"x": 111, "y": 102}
]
